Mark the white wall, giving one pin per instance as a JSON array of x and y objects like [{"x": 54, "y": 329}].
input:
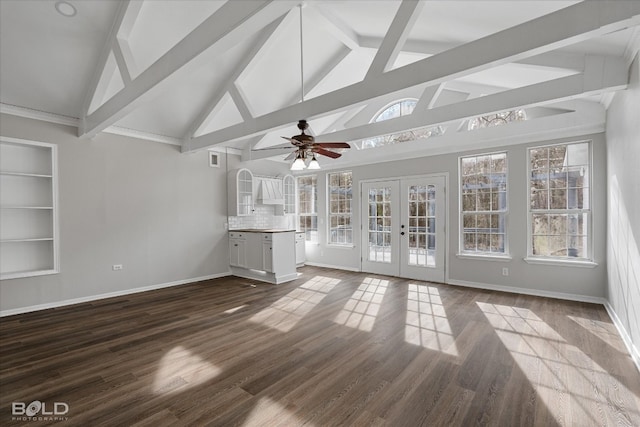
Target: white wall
[
  {"x": 575, "y": 281},
  {"x": 125, "y": 201},
  {"x": 623, "y": 158}
]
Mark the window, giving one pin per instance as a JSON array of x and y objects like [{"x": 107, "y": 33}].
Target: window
[
  {"x": 559, "y": 208},
  {"x": 483, "y": 181},
  {"x": 497, "y": 119},
  {"x": 395, "y": 110},
  {"x": 340, "y": 198},
  {"x": 307, "y": 207}
]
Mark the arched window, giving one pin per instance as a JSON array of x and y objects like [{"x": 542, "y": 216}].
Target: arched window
[
  {"x": 397, "y": 109},
  {"x": 497, "y": 119}
]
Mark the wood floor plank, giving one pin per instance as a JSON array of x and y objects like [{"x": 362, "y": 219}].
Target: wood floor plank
[{"x": 322, "y": 350}]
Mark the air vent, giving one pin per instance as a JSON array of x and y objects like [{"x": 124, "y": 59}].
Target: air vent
[{"x": 214, "y": 160}]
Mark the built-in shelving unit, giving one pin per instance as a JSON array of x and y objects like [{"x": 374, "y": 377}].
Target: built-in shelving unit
[{"x": 28, "y": 208}]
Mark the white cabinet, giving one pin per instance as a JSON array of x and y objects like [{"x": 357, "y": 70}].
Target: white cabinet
[
  {"x": 241, "y": 192},
  {"x": 289, "y": 195},
  {"x": 28, "y": 208},
  {"x": 268, "y": 256},
  {"x": 301, "y": 257},
  {"x": 237, "y": 250}
]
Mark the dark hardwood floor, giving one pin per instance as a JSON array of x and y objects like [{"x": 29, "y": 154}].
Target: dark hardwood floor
[{"x": 331, "y": 348}]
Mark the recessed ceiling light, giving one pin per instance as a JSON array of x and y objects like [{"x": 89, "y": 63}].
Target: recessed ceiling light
[{"x": 66, "y": 9}]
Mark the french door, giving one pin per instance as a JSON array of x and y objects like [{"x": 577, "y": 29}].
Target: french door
[{"x": 403, "y": 227}]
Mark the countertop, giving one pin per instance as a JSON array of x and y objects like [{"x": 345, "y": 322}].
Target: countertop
[{"x": 263, "y": 230}]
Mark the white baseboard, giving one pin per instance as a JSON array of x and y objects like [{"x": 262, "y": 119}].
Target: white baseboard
[
  {"x": 633, "y": 351},
  {"x": 529, "y": 291},
  {"x": 63, "y": 303},
  {"x": 336, "y": 267}
]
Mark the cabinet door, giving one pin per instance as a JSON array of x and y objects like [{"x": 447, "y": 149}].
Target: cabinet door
[
  {"x": 237, "y": 253},
  {"x": 289, "y": 193},
  {"x": 245, "y": 192},
  {"x": 300, "y": 251},
  {"x": 267, "y": 257}
]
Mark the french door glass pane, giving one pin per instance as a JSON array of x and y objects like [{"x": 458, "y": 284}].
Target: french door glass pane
[
  {"x": 422, "y": 225},
  {"x": 380, "y": 225}
]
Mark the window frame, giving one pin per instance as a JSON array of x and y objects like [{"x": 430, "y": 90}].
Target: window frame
[
  {"x": 462, "y": 253},
  {"x": 300, "y": 213},
  {"x": 588, "y": 260},
  {"x": 330, "y": 214}
]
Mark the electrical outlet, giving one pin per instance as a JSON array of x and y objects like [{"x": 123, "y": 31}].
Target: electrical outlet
[
  {"x": 505, "y": 271},
  {"x": 117, "y": 267}
]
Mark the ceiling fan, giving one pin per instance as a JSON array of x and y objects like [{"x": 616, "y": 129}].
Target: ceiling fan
[
  {"x": 306, "y": 144},
  {"x": 306, "y": 148}
]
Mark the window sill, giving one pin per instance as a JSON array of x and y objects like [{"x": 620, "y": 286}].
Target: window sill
[
  {"x": 485, "y": 257},
  {"x": 340, "y": 246},
  {"x": 561, "y": 262}
]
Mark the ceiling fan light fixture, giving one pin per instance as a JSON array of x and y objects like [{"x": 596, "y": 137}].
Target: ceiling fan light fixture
[
  {"x": 313, "y": 164},
  {"x": 298, "y": 163}
]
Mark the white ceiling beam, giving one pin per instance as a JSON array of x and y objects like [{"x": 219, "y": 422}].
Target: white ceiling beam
[
  {"x": 598, "y": 77},
  {"x": 129, "y": 19},
  {"x": 242, "y": 65},
  {"x": 561, "y": 60},
  {"x": 564, "y": 27},
  {"x": 122, "y": 63},
  {"x": 335, "y": 26},
  {"x": 429, "y": 97},
  {"x": 228, "y": 26},
  {"x": 397, "y": 34},
  {"x": 95, "y": 88},
  {"x": 265, "y": 153},
  {"x": 238, "y": 98}
]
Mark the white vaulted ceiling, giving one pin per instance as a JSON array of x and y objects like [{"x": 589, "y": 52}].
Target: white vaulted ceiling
[{"x": 206, "y": 74}]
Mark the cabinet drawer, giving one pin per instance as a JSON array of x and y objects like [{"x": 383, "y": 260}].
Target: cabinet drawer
[
  {"x": 236, "y": 235},
  {"x": 300, "y": 236},
  {"x": 267, "y": 237}
]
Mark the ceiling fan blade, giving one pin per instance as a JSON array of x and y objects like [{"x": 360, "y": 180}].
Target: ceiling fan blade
[
  {"x": 288, "y": 147},
  {"x": 292, "y": 140},
  {"x": 332, "y": 144},
  {"x": 326, "y": 152},
  {"x": 290, "y": 156}
]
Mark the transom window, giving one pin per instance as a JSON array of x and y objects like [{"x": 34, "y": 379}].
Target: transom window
[
  {"x": 307, "y": 207},
  {"x": 404, "y": 107},
  {"x": 340, "y": 199},
  {"x": 497, "y": 119},
  {"x": 560, "y": 201},
  {"x": 483, "y": 192}
]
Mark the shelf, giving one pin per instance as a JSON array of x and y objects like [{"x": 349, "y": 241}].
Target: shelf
[
  {"x": 26, "y": 273},
  {"x": 43, "y": 239},
  {"x": 33, "y": 175},
  {"x": 26, "y": 207},
  {"x": 28, "y": 200}
]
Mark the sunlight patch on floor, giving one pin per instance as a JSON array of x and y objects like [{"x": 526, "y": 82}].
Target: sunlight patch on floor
[
  {"x": 361, "y": 309},
  {"x": 180, "y": 369},
  {"x": 270, "y": 413},
  {"x": 574, "y": 389},
  {"x": 427, "y": 324},
  {"x": 285, "y": 313},
  {"x": 234, "y": 309},
  {"x": 607, "y": 332}
]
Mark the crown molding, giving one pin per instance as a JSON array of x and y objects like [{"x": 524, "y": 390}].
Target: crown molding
[
  {"x": 133, "y": 133},
  {"x": 30, "y": 113}
]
